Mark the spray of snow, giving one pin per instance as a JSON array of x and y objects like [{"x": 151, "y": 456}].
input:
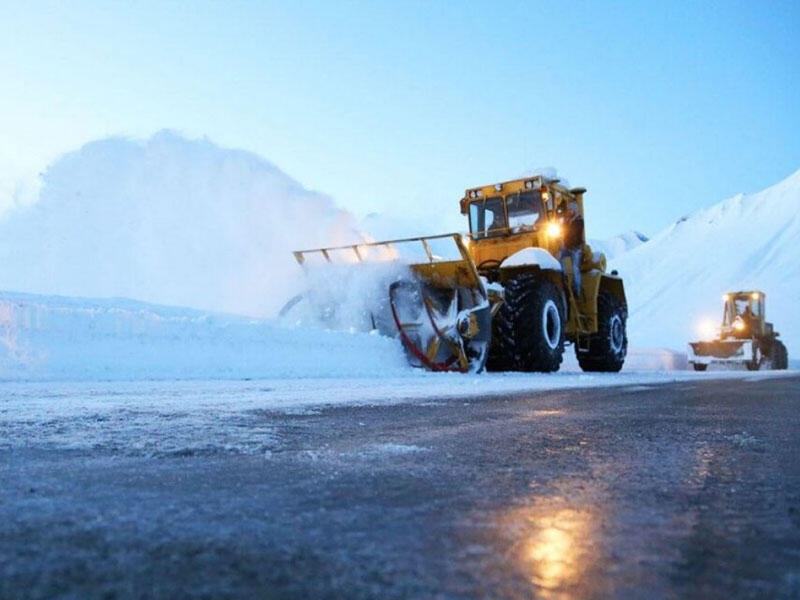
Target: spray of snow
[
  {"x": 347, "y": 297},
  {"x": 170, "y": 221}
]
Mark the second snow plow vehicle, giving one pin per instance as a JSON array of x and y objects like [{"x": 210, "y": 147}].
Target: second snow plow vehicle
[
  {"x": 510, "y": 297},
  {"x": 745, "y": 337}
]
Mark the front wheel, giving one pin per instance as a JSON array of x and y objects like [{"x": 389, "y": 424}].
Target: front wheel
[
  {"x": 608, "y": 347},
  {"x": 529, "y": 332},
  {"x": 700, "y": 366},
  {"x": 755, "y": 363}
]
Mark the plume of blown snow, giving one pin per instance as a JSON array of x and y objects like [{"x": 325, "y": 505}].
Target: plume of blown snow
[
  {"x": 171, "y": 221},
  {"x": 748, "y": 242}
]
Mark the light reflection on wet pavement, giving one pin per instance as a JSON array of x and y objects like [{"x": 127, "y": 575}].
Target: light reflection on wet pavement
[{"x": 657, "y": 492}]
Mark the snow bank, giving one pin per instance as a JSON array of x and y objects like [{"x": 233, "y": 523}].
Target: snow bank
[
  {"x": 53, "y": 338},
  {"x": 82, "y": 340}
]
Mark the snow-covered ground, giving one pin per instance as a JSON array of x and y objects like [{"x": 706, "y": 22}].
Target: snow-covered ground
[
  {"x": 748, "y": 242},
  {"x": 176, "y": 223},
  {"x": 92, "y": 351}
]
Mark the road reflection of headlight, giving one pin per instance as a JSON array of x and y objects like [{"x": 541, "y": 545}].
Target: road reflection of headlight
[
  {"x": 551, "y": 552},
  {"x": 553, "y": 547}
]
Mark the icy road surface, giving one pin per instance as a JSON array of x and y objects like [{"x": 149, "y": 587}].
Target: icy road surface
[{"x": 672, "y": 485}]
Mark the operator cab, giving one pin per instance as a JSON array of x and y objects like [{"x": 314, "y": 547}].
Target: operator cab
[
  {"x": 498, "y": 215},
  {"x": 743, "y": 313},
  {"x": 518, "y": 206}
]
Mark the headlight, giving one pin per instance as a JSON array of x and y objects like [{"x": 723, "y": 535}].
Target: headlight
[
  {"x": 738, "y": 324},
  {"x": 553, "y": 229},
  {"x": 707, "y": 329}
]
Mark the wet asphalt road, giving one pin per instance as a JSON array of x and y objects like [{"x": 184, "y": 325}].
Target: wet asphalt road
[{"x": 688, "y": 490}]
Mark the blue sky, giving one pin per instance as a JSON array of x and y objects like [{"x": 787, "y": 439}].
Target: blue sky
[{"x": 658, "y": 108}]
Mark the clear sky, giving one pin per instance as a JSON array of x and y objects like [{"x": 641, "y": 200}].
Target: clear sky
[{"x": 658, "y": 108}]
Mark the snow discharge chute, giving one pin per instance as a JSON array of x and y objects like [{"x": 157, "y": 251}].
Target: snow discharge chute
[{"x": 437, "y": 303}]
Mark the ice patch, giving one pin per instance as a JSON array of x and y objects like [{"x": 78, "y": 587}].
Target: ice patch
[{"x": 396, "y": 449}]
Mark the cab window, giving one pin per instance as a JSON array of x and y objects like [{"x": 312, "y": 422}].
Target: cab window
[
  {"x": 487, "y": 217},
  {"x": 524, "y": 210}
]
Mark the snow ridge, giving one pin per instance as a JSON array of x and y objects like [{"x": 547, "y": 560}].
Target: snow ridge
[{"x": 744, "y": 242}]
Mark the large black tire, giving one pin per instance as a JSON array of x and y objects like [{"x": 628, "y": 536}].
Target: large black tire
[
  {"x": 609, "y": 346},
  {"x": 501, "y": 350},
  {"x": 528, "y": 332},
  {"x": 780, "y": 356},
  {"x": 700, "y": 366}
]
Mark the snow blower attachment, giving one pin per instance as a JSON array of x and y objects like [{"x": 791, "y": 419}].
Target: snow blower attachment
[
  {"x": 519, "y": 286},
  {"x": 439, "y": 306},
  {"x": 745, "y": 338}
]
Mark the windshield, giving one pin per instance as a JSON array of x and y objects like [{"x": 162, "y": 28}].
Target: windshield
[
  {"x": 524, "y": 210},
  {"x": 487, "y": 217},
  {"x": 742, "y": 306},
  {"x": 494, "y": 216}
]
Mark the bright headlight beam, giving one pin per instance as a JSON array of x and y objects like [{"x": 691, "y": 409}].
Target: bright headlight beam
[
  {"x": 554, "y": 229},
  {"x": 707, "y": 329}
]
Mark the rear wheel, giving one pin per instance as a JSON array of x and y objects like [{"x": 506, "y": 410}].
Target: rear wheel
[
  {"x": 609, "y": 346},
  {"x": 529, "y": 327},
  {"x": 780, "y": 356}
]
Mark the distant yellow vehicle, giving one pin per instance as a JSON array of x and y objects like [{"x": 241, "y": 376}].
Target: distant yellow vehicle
[
  {"x": 511, "y": 297},
  {"x": 745, "y": 337}
]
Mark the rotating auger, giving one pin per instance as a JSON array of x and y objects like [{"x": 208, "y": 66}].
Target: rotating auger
[{"x": 441, "y": 329}]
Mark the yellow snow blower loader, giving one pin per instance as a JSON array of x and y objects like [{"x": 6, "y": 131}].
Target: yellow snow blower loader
[
  {"x": 745, "y": 337},
  {"x": 506, "y": 296}
]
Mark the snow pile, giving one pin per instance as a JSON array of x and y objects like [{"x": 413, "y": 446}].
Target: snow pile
[
  {"x": 73, "y": 339},
  {"x": 53, "y": 338},
  {"x": 748, "y": 242},
  {"x": 169, "y": 221}
]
